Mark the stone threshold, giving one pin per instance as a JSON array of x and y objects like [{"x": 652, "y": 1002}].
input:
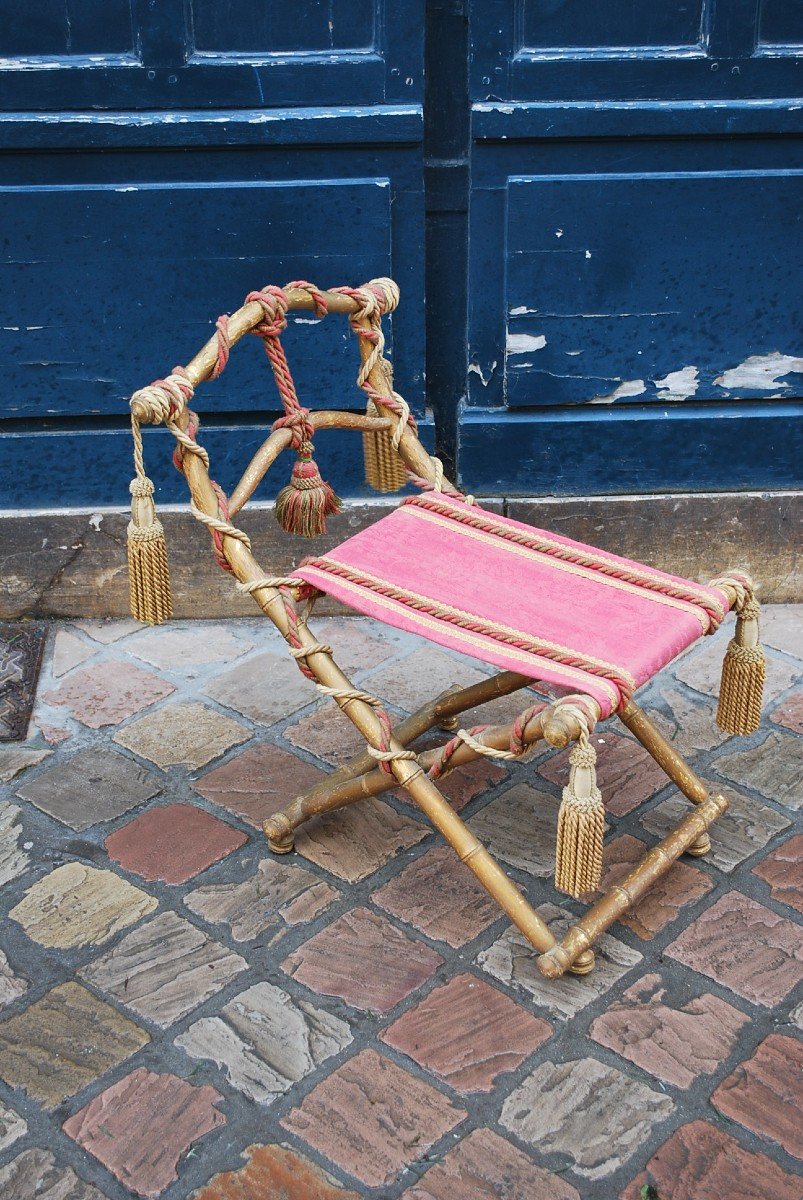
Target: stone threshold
[{"x": 72, "y": 562}]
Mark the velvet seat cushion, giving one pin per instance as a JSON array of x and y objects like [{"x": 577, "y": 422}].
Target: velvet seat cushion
[{"x": 520, "y": 598}]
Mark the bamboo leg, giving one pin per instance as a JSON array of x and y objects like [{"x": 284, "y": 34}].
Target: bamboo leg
[
  {"x": 655, "y": 863},
  {"x": 678, "y": 770}
]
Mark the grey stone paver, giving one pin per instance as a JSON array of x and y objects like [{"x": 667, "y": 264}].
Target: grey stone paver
[
  {"x": 372, "y": 1026},
  {"x": 266, "y": 1040}
]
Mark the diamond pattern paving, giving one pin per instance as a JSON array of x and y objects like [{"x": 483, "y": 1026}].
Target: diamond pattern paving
[
  {"x": 502, "y": 1034},
  {"x": 266, "y": 1040},
  {"x": 274, "y": 1171},
  {"x": 594, "y": 1115},
  {"x": 80, "y": 906},
  {"x": 372, "y": 1118},
  {"x": 35, "y": 1175},
  {"x": 486, "y": 1167},
  {"x": 359, "y": 1012},
  {"x": 363, "y": 959},
  {"x": 164, "y": 969},
  {"x": 276, "y": 897},
  {"x": 192, "y": 734},
  {"x": 783, "y": 871},
  {"x": 172, "y": 843},
  {"x": 64, "y": 1041},
  {"x": 258, "y": 782},
  {"x": 140, "y": 1127},
  {"x": 763, "y": 1093},
  {"x": 108, "y": 692},
  {"x": 92, "y": 786},
  {"x": 683, "y": 885},
  {"x": 702, "y": 1161},
  {"x": 675, "y": 1044},
  {"x": 743, "y": 829},
  {"x": 356, "y": 841},
  {"x": 438, "y": 896},
  {"x": 746, "y": 946},
  {"x": 510, "y": 958}
]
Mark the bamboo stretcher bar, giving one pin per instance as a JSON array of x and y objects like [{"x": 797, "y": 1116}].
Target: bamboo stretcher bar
[
  {"x": 279, "y": 440},
  {"x": 443, "y": 707},
  {"x": 346, "y": 790},
  {"x": 601, "y": 915}
]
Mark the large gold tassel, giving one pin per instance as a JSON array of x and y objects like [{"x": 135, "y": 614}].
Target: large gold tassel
[
  {"x": 581, "y": 825},
  {"x": 743, "y": 671},
  {"x": 307, "y": 500},
  {"x": 148, "y": 572},
  {"x": 384, "y": 469}
]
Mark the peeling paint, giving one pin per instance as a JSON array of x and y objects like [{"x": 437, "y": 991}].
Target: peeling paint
[
  {"x": 630, "y": 387},
  {"x": 760, "y": 372},
  {"x": 477, "y": 370},
  {"x": 522, "y": 310},
  {"x": 523, "y": 343},
  {"x": 95, "y": 521},
  {"x": 678, "y": 385}
]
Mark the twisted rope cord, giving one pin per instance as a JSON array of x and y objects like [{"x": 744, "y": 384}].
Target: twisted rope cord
[
  {"x": 504, "y": 634},
  {"x": 742, "y": 584},
  {"x": 485, "y": 522},
  {"x": 384, "y": 754},
  {"x": 223, "y": 345}
]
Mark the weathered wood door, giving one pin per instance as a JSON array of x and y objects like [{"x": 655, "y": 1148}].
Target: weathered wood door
[
  {"x": 161, "y": 160},
  {"x": 635, "y": 246}
]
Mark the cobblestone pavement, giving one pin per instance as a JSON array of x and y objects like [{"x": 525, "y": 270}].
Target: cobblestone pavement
[{"x": 184, "y": 1015}]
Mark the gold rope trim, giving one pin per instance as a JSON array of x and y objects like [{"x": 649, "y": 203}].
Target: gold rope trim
[
  {"x": 571, "y": 568},
  {"x": 639, "y": 575},
  {"x": 553, "y": 651}
]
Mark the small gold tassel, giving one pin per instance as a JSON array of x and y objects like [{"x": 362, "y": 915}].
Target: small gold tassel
[
  {"x": 581, "y": 825},
  {"x": 743, "y": 670},
  {"x": 304, "y": 504},
  {"x": 384, "y": 469},
  {"x": 148, "y": 572}
]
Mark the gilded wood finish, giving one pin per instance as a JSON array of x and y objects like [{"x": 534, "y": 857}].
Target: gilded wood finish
[{"x": 361, "y": 777}]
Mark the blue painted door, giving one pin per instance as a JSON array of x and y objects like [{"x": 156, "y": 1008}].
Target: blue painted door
[
  {"x": 635, "y": 246},
  {"x": 161, "y": 160}
]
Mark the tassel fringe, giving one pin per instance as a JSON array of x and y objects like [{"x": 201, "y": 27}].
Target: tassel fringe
[
  {"x": 148, "y": 572},
  {"x": 384, "y": 469},
  {"x": 581, "y": 826},
  {"x": 743, "y": 671},
  {"x": 304, "y": 504}
]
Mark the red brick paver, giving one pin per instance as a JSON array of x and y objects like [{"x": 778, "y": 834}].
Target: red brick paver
[
  {"x": 468, "y": 1033},
  {"x": 140, "y": 1127},
  {"x": 372, "y": 1118},
  {"x": 744, "y": 946},
  {"x": 258, "y": 782},
  {"x": 108, "y": 692},
  {"x": 700, "y": 1162},
  {"x": 764, "y": 1093},
  {"x": 172, "y": 843},
  {"x": 674, "y": 1043},
  {"x": 783, "y": 871},
  {"x": 486, "y": 1167},
  {"x": 437, "y": 895},
  {"x": 363, "y": 959},
  {"x": 274, "y": 1171}
]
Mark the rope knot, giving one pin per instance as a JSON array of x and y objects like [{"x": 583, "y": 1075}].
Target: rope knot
[
  {"x": 319, "y": 305},
  {"x": 300, "y": 426},
  {"x": 163, "y": 399},
  {"x": 274, "y": 304}
]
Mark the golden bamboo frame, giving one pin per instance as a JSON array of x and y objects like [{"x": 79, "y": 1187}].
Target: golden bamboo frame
[{"x": 361, "y": 777}]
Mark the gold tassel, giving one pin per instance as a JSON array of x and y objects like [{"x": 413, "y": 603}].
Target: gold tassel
[
  {"x": 304, "y": 504},
  {"x": 743, "y": 671},
  {"x": 384, "y": 469},
  {"x": 148, "y": 572},
  {"x": 581, "y": 825}
]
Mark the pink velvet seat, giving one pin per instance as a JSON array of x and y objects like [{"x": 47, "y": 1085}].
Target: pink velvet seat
[{"x": 520, "y": 598}]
